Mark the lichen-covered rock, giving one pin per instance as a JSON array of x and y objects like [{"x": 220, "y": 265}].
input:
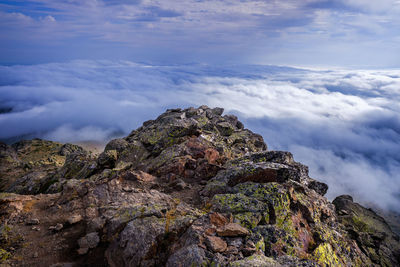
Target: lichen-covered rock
[
  {"x": 107, "y": 159},
  {"x": 187, "y": 143},
  {"x": 372, "y": 234},
  {"x": 28, "y": 184},
  {"x": 257, "y": 260},
  {"x": 78, "y": 166},
  {"x": 32, "y": 166},
  {"x": 23, "y": 164},
  {"x": 190, "y": 188},
  {"x": 263, "y": 167}
]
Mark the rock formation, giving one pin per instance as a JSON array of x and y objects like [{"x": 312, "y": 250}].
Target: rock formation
[{"x": 191, "y": 188}]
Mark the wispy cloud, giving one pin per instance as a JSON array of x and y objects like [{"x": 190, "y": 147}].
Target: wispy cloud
[
  {"x": 286, "y": 32},
  {"x": 344, "y": 124}
]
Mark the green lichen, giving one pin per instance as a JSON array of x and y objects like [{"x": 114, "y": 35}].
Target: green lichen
[
  {"x": 237, "y": 203},
  {"x": 270, "y": 193},
  {"x": 166, "y": 156},
  {"x": 325, "y": 256},
  {"x": 341, "y": 247},
  {"x": 178, "y": 132},
  {"x": 5, "y": 232},
  {"x": 360, "y": 224},
  {"x": 201, "y": 121},
  {"x": 4, "y": 255},
  {"x": 260, "y": 245},
  {"x": 4, "y": 195},
  {"x": 248, "y": 219},
  {"x": 197, "y": 264},
  {"x": 122, "y": 165},
  {"x": 214, "y": 264},
  {"x": 128, "y": 214},
  {"x": 153, "y": 137}
]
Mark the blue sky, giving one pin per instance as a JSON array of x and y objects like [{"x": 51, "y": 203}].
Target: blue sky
[{"x": 351, "y": 33}]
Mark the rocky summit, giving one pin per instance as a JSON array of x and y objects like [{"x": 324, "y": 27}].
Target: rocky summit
[{"x": 190, "y": 188}]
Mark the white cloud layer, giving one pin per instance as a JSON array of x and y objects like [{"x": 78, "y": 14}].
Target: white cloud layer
[{"x": 344, "y": 124}]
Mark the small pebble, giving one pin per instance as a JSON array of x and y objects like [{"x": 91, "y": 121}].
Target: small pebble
[
  {"x": 57, "y": 227},
  {"x": 33, "y": 221}
]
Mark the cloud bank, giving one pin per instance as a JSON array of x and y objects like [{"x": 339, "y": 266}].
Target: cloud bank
[{"x": 344, "y": 124}]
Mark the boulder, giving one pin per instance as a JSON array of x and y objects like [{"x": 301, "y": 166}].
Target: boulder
[
  {"x": 371, "y": 232},
  {"x": 232, "y": 230}
]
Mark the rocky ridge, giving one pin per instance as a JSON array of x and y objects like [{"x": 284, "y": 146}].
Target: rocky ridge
[{"x": 190, "y": 188}]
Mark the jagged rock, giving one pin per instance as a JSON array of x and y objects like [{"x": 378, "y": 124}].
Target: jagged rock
[
  {"x": 28, "y": 184},
  {"x": 117, "y": 144},
  {"x": 24, "y": 164},
  {"x": 40, "y": 166},
  {"x": 232, "y": 230},
  {"x": 262, "y": 167},
  {"x": 218, "y": 219},
  {"x": 68, "y": 149},
  {"x": 184, "y": 137},
  {"x": 190, "y": 188},
  {"x": 78, "y": 165},
  {"x": 107, "y": 159},
  {"x": 372, "y": 234},
  {"x": 320, "y": 188},
  {"x": 216, "y": 244}
]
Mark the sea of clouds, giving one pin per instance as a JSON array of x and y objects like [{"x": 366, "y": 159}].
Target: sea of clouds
[{"x": 343, "y": 124}]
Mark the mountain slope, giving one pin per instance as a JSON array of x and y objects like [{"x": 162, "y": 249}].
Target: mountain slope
[{"x": 190, "y": 188}]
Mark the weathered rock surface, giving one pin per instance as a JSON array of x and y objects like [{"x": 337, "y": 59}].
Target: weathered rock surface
[
  {"x": 191, "y": 188},
  {"x": 26, "y": 164},
  {"x": 372, "y": 234}
]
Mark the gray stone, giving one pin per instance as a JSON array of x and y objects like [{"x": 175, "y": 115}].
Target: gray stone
[{"x": 87, "y": 242}]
